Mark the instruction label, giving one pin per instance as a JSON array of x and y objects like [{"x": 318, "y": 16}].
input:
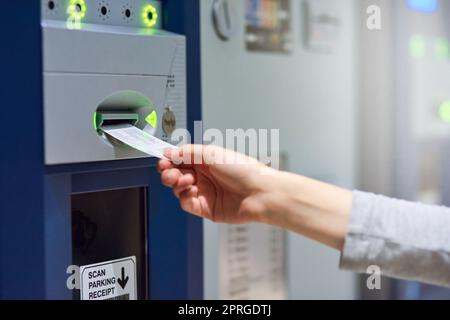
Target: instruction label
[{"x": 110, "y": 280}]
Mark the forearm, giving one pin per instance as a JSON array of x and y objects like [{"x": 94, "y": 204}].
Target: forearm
[{"x": 313, "y": 209}]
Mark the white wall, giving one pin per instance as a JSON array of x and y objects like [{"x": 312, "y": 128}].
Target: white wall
[{"x": 311, "y": 98}]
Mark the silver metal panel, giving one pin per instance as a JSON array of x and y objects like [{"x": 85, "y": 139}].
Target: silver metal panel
[
  {"x": 84, "y": 67},
  {"x": 70, "y": 136},
  {"x": 106, "y": 49}
]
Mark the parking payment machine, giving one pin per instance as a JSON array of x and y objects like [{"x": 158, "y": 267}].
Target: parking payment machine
[{"x": 84, "y": 215}]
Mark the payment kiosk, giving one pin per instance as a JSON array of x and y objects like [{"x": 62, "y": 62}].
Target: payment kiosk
[{"x": 84, "y": 216}]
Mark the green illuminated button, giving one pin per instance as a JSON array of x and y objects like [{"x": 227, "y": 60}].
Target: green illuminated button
[
  {"x": 96, "y": 121},
  {"x": 152, "y": 119},
  {"x": 77, "y": 9},
  {"x": 150, "y": 16},
  {"x": 444, "y": 111}
]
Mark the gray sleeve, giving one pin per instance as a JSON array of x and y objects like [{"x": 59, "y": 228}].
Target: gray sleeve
[{"x": 406, "y": 240}]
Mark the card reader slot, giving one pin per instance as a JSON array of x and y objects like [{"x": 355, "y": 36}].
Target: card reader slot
[{"x": 115, "y": 118}]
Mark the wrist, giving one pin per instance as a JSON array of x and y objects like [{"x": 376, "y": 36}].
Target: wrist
[
  {"x": 276, "y": 192},
  {"x": 314, "y": 209}
]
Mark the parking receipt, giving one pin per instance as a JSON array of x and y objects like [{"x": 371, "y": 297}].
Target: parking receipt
[{"x": 139, "y": 140}]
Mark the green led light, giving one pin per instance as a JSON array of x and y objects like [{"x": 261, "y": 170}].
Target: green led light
[
  {"x": 150, "y": 16},
  {"x": 417, "y": 47},
  {"x": 95, "y": 121},
  {"x": 442, "y": 48},
  {"x": 77, "y": 9},
  {"x": 152, "y": 119},
  {"x": 147, "y": 31},
  {"x": 444, "y": 111}
]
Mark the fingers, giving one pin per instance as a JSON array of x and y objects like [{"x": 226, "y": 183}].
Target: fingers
[
  {"x": 164, "y": 165},
  {"x": 178, "y": 179},
  {"x": 170, "y": 177},
  {"x": 185, "y": 182},
  {"x": 189, "y": 201}
]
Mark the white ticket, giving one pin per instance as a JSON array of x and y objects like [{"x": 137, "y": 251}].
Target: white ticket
[{"x": 139, "y": 140}]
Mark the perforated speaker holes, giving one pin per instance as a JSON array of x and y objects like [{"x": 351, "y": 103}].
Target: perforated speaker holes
[
  {"x": 127, "y": 13},
  {"x": 103, "y": 10},
  {"x": 51, "y": 7}
]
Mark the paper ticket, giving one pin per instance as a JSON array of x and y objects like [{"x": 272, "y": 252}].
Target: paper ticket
[{"x": 139, "y": 140}]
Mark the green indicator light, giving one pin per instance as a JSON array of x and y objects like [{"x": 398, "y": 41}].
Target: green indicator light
[
  {"x": 152, "y": 119},
  {"x": 147, "y": 31},
  {"x": 444, "y": 111},
  {"x": 150, "y": 16},
  {"x": 95, "y": 121},
  {"x": 417, "y": 47},
  {"x": 77, "y": 9},
  {"x": 442, "y": 48}
]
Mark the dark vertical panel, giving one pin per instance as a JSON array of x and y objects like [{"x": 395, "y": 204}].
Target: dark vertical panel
[
  {"x": 21, "y": 156},
  {"x": 58, "y": 235},
  {"x": 175, "y": 238}
]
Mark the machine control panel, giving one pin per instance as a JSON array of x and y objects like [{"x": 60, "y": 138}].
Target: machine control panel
[
  {"x": 129, "y": 13},
  {"x": 108, "y": 62}
]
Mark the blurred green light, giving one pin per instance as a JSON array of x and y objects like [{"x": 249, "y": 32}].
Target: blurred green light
[
  {"x": 442, "y": 48},
  {"x": 95, "y": 121},
  {"x": 149, "y": 16},
  {"x": 77, "y": 9},
  {"x": 444, "y": 111},
  {"x": 147, "y": 31},
  {"x": 417, "y": 47}
]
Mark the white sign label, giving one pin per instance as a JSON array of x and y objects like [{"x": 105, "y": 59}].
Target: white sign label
[
  {"x": 110, "y": 280},
  {"x": 252, "y": 263}
]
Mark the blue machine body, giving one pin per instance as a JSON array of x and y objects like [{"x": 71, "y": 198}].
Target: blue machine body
[{"x": 35, "y": 219}]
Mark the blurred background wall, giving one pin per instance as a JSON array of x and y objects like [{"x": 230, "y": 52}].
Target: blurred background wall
[
  {"x": 356, "y": 107},
  {"x": 304, "y": 84},
  {"x": 404, "y": 100}
]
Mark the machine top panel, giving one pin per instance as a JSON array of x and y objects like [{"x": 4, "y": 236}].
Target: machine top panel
[
  {"x": 109, "y": 50},
  {"x": 129, "y": 13}
]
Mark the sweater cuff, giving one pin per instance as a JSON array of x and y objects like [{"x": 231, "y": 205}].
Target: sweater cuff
[{"x": 354, "y": 256}]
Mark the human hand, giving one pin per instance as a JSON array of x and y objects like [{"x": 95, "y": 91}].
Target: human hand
[{"x": 216, "y": 184}]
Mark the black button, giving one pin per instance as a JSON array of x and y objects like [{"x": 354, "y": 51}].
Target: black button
[
  {"x": 104, "y": 10},
  {"x": 128, "y": 13}
]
